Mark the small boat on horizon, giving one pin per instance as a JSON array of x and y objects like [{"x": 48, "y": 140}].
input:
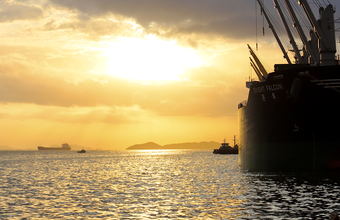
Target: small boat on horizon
[{"x": 82, "y": 151}]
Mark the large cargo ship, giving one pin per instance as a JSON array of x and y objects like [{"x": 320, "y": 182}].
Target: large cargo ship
[
  {"x": 64, "y": 146},
  {"x": 291, "y": 119}
]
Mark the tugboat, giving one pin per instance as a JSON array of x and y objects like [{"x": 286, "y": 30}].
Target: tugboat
[
  {"x": 226, "y": 148},
  {"x": 82, "y": 151}
]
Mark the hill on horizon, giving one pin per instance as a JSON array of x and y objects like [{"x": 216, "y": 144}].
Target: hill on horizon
[{"x": 189, "y": 145}]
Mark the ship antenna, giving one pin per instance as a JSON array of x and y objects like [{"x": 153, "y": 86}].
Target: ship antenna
[{"x": 256, "y": 25}]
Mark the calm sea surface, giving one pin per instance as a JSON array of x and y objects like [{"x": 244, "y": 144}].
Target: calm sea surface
[{"x": 165, "y": 184}]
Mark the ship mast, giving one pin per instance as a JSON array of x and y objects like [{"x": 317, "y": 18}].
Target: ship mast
[
  {"x": 262, "y": 71},
  {"x": 320, "y": 49},
  {"x": 275, "y": 34},
  {"x": 310, "y": 51},
  {"x": 324, "y": 31},
  {"x": 289, "y": 33},
  {"x": 257, "y": 71}
]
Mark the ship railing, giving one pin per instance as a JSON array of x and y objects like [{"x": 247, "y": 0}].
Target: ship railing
[{"x": 242, "y": 104}]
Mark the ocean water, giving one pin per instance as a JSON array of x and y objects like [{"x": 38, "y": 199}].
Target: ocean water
[{"x": 164, "y": 184}]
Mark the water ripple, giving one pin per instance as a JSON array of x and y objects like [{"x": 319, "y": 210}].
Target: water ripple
[{"x": 175, "y": 184}]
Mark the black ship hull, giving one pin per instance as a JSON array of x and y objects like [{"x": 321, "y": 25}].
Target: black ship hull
[{"x": 291, "y": 122}]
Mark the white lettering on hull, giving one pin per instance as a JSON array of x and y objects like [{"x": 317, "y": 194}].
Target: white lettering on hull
[
  {"x": 268, "y": 88},
  {"x": 259, "y": 89},
  {"x": 274, "y": 87}
]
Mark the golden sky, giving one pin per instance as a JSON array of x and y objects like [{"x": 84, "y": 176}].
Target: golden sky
[{"x": 109, "y": 74}]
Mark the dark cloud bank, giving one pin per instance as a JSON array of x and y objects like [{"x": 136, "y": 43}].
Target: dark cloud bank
[
  {"x": 10, "y": 12},
  {"x": 229, "y": 18}
]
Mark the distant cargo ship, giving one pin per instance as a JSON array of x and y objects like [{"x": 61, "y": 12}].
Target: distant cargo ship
[{"x": 64, "y": 146}]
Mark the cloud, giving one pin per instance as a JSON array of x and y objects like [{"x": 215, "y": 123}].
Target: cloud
[
  {"x": 93, "y": 27},
  {"x": 36, "y": 75},
  {"x": 103, "y": 114},
  {"x": 176, "y": 16},
  {"x": 229, "y": 19},
  {"x": 22, "y": 86},
  {"x": 19, "y": 84},
  {"x": 11, "y": 11}
]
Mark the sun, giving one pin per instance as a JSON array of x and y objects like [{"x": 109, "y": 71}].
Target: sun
[{"x": 149, "y": 59}]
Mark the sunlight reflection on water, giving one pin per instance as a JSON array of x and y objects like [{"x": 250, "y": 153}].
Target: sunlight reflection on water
[{"x": 168, "y": 184}]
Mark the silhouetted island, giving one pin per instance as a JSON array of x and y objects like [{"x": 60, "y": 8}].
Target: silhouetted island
[{"x": 190, "y": 145}]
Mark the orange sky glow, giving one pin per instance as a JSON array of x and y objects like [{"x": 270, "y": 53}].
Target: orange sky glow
[{"x": 110, "y": 74}]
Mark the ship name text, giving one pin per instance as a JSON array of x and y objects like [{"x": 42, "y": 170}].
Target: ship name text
[
  {"x": 306, "y": 73},
  {"x": 268, "y": 88}
]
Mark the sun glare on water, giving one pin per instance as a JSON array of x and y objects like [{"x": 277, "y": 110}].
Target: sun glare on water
[{"x": 149, "y": 59}]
